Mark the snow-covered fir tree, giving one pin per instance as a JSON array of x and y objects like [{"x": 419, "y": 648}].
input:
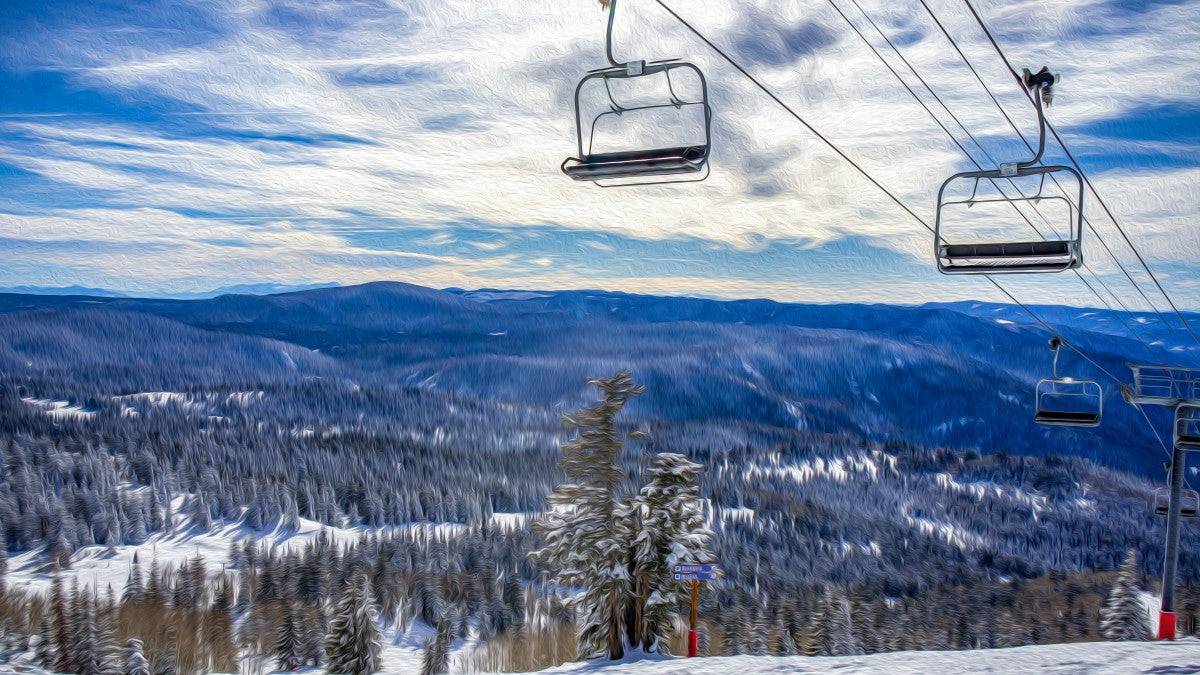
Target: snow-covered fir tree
[
  {"x": 842, "y": 639},
  {"x": 135, "y": 662},
  {"x": 353, "y": 644},
  {"x": 832, "y": 631},
  {"x": 62, "y": 625},
  {"x": 671, "y": 531},
  {"x": 586, "y": 542},
  {"x": 134, "y": 590},
  {"x": 1122, "y": 617},
  {"x": 288, "y": 637},
  {"x": 436, "y": 658}
]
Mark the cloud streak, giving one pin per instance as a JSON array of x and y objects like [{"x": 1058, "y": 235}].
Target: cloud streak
[{"x": 258, "y": 139}]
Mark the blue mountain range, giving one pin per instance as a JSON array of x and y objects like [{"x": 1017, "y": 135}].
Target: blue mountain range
[{"x": 718, "y": 373}]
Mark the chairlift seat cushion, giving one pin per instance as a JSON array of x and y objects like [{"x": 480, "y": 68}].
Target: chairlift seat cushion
[
  {"x": 1189, "y": 440},
  {"x": 1061, "y": 418},
  {"x": 1021, "y": 249},
  {"x": 635, "y": 163},
  {"x": 1184, "y": 511}
]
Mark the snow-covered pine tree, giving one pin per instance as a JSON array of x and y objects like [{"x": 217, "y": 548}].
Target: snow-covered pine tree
[
  {"x": 1122, "y": 617},
  {"x": 85, "y": 650},
  {"x": 436, "y": 658},
  {"x": 134, "y": 590},
  {"x": 135, "y": 662},
  {"x": 757, "y": 643},
  {"x": 63, "y": 626},
  {"x": 514, "y": 601},
  {"x": 820, "y": 642},
  {"x": 785, "y": 641},
  {"x": 287, "y": 646},
  {"x": 218, "y": 629},
  {"x": 737, "y": 631},
  {"x": 317, "y": 624},
  {"x": 107, "y": 649},
  {"x": 43, "y": 649},
  {"x": 671, "y": 532},
  {"x": 585, "y": 543},
  {"x": 154, "y": 591},
  {"x": 842, "y": 641},
  {"x": 353, "y": 644}
]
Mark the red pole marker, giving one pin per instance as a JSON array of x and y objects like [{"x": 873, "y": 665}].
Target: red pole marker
[
  {"x": 1166, "y": 625},
  {"x": 693, "y": 634}
]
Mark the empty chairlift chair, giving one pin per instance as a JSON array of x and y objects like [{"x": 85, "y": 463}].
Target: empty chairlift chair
[
  {"x": 995, "y": 213},
  {"x": 1187, "y": 427},
  {"x": 1189, "y": 502},
  {"x": 1065, "y": 401},
  {"x": 645, "y": 164}
]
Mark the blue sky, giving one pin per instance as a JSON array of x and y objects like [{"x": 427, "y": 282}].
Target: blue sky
[{"x": 167, "y": 146}]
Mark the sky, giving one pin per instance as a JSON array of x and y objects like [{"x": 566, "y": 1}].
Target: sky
[{"x": 168, "y": 147}]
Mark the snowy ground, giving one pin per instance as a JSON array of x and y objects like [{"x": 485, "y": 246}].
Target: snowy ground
[
  {"x": 98, "y": 567},
  {"x": 1174, "y": 658}
]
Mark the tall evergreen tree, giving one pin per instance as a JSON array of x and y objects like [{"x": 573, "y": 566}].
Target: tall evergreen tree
[
  {"x": 671, "y": 532},
  {"x": 288, "y": 639},
  {"x": 63, "y": 626},
  {"x": 134, "y": 590},
  {"x": 436, "y": 658},
  {"x": 842, "y": 640},
  {"x": 135, "y": 662},
  {"x": 1122, "y": 617},
  {"x": 87, "y": 657},
  {"x": 44, "y": 650},
  {"x": 218, "y": 629},
  {"x": 586, "y": 543},
  {"x": 353, "y": 644}
]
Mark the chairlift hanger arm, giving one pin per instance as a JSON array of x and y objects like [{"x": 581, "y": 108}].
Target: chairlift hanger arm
[{"x": 1040, "y": 85}]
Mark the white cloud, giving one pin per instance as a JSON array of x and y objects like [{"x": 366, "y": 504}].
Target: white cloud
[{"x": 507, "y": 68}]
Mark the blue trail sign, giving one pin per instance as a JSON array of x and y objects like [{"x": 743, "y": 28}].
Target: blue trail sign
[{"x": 692, "y": 569}]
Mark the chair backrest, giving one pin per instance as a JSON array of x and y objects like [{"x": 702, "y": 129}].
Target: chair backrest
[
  {"x": 1069, "y": 402},
  {"x": 988, "y": 223}
]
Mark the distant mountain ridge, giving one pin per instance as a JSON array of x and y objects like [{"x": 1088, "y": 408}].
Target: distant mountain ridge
[
  {"x": 957, "y": 375},
  {"x": 236, "y": 289}
]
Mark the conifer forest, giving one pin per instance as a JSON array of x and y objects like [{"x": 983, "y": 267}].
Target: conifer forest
[{"x": 326, "y": 479}]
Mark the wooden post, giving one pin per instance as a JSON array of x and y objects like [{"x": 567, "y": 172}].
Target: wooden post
[{"x": 693, "y": 635}]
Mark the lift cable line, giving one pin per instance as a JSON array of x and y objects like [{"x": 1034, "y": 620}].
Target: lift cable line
[
  {"x": 913, "y": 70},
  {"x": 954, "y": 43},
  {"x": 832, "y": 146},
  {"x": 1182, "y": 319}
]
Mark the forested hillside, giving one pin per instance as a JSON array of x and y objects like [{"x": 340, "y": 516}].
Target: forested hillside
[{"x": 877, "y": 458}]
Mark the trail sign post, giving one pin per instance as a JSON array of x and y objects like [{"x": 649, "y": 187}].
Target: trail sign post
[{"x": 694, "y": 574}]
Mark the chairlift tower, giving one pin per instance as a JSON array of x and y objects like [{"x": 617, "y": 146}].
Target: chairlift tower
[{"x": 1179, "y": 389}]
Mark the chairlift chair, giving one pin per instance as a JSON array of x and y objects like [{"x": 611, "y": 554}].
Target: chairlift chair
[
  {"x": 1189, "y": 502},
  {"x": 1065, "y": 401},
  {"x": 1187, "y": 427},
  {"x": 1011, "y": 257},
  {"x": 638, "y": 166}
]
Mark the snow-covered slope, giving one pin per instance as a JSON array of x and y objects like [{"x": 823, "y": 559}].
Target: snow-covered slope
[
  {"x": 1091, "y": 657},
  {"x": 99, "y": 567}
]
